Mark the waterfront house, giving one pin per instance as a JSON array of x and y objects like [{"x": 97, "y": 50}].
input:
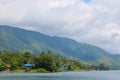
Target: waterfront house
[{"x": 27, "y": 66}]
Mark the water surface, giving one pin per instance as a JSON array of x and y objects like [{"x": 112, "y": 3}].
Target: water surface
[{"x": 90, "y": 75}]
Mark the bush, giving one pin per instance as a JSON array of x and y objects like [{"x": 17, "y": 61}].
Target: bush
[
  {"x": 32, "y": 71},
  {"x": 17, "y": 70},
  {"x": 41, "y": 70}
]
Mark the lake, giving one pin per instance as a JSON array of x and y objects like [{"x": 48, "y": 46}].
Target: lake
[{"x": 90, "y": 75}]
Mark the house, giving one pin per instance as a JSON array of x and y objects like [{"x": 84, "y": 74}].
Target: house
[
  {"x": 8, "y": 67},
  {"x": 27, "y": 66},
  {"x": 63, "y": 67}
]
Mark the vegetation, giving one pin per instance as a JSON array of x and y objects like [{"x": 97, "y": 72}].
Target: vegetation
[{"x": 44, "y": 62}]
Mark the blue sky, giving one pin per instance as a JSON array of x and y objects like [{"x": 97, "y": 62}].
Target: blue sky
[
  {"x": 95, "y": 22},
  {"x": 86, "y": 1}
]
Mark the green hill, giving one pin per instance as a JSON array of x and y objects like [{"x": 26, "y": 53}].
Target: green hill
[{"x": 13, "y": 38}]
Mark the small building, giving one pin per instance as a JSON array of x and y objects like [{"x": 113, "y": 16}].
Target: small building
[
  {"x": 63, "y": 67},
  {"x": 8, "y": 67},
  {"x": 27, "y": 66}
]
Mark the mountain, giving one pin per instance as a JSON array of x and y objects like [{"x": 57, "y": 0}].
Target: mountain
[{"x": 13, "y": 38}]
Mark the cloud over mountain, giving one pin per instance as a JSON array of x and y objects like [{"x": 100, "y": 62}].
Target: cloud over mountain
[{"x": 90, "y": 21}]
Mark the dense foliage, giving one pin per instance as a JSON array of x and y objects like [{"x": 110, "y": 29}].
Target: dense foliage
[{"x": 44, "y": 62}]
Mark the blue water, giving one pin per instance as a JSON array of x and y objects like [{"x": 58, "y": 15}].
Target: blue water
[{"x": 90, "y": 75}]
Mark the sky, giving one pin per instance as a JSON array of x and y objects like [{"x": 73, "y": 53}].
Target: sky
[{"x": 95, "y": 22}]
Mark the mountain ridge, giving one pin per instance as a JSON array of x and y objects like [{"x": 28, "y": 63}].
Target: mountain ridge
[{"x": 13, "y": 38}]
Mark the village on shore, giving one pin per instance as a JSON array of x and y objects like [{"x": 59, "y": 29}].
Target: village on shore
[{"x": 44, "y": 62}]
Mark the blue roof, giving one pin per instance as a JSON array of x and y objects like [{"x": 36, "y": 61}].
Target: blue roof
[{"x": 27, "y": 65}]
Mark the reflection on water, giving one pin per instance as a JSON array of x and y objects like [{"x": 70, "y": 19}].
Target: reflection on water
[{"x": 91, "y": 75}]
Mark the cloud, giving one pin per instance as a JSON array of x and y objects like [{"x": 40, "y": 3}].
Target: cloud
[{"x": 89, "y": 21}]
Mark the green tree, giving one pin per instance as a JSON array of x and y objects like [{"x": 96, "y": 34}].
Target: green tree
[
  {"x": 46, "y": 61},
  {"x": 2, "y": 65}
]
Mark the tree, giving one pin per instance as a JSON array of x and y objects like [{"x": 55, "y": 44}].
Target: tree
[
  {"x": 101, "y": 66},
  {"x": 46, "y": 61},
  {"x": 2, "y": 65}
]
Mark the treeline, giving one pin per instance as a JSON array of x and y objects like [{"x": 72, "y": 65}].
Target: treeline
[{"x": 44, "y": 62}]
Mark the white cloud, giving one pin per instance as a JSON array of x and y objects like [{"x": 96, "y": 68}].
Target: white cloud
[{"x": 94, "y": 22}]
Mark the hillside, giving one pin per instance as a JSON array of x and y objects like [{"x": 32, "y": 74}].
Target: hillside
[{"x": 13, "y": 38}]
